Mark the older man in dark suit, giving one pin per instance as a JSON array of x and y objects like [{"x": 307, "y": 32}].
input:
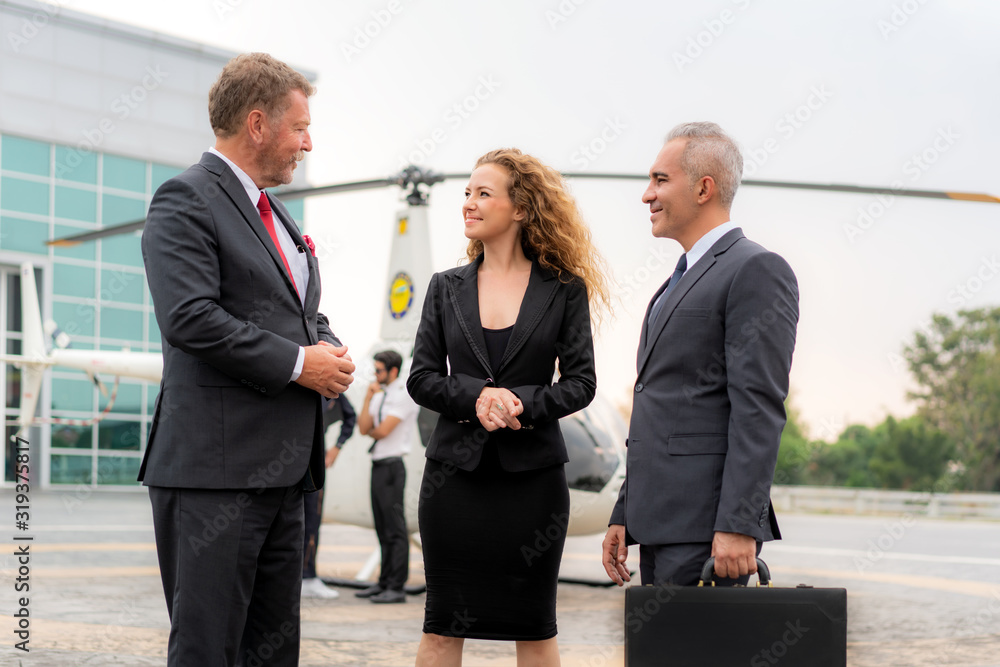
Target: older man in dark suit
[
  {"x": 713, "y": 363},
  {"x": 237, "y": 434}
]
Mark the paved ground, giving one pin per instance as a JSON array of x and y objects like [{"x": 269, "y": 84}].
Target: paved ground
[{"x": 920, "y": 592}]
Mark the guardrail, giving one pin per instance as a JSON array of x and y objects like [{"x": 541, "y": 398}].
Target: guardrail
[{"x": 838, "y": 500}]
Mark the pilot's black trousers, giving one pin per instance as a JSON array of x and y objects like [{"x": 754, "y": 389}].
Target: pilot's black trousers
[{"x": 388, "y": 480}]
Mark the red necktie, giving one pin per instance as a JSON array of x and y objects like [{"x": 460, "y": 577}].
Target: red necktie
[{"x": 264, "y": 206}]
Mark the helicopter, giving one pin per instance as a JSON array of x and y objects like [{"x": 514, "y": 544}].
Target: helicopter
[{"x": 594, "y": 436}]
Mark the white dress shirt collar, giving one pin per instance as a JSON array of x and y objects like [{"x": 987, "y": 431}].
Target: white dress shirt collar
[
  {"x": 253, "y": 192},
  {"x": 703, "y": 244}
]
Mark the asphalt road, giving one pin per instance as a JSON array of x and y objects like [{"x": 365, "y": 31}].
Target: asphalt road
[{"x": 921, "y": 592}]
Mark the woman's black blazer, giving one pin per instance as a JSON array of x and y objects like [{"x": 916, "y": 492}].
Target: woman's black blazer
[{"x": 451, "y": 367}]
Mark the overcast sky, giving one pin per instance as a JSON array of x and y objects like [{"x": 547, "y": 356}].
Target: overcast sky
[{"x": 873, "y": 92}]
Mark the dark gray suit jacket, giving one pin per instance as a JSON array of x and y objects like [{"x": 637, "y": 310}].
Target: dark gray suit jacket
[
  {"x": 451, "y": 367},
  {"x": 226, "y": 416},
  {"x": 708, "y": 402}
]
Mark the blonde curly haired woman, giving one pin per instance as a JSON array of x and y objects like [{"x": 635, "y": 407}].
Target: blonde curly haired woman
[{"x": 490, "y": 336}]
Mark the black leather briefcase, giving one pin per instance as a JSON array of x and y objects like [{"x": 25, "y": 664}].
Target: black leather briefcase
[{"x": 708, "y": 626}]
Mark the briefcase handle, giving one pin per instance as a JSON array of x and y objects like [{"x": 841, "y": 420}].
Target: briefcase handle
[{"x": 763, "y": 574}]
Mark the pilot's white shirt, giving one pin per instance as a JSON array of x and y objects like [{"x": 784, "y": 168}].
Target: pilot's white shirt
[{"x": 394, "y": 401}]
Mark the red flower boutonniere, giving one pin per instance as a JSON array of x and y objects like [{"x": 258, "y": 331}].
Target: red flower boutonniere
[{"x": 309, "y": 242}]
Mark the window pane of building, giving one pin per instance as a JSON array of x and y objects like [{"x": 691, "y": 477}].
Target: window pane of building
[
  {"x": 116, "y": 210},
  {"x": 124, "y": 173},
  {"x": 128, "y": 400},
  {"x": 118, "y": 470},
  {"x": 13, "y": 301},
  {"x": 120, "y": 435},
  {"x": 12, "y": 377},
  {"x": 121, "y": 286},
  {"x": 72, "y": 280},
  {"x": 123, "y": 249},
  {"x": 24, "y": 196},
  {"x": 71, "y": 436},
  {"x": 121, "y": 323},
  {"x": 24, "y": 235},
  {"x": 75, "y": 165},
  {"x": 24, "y": 155},
  {"x": 76, "y": 204},
  {"x": 72, "y": 395},
  {"x": 68, "y": 469}
]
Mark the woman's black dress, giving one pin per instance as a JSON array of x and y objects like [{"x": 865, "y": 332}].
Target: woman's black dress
[{"x": 492, "y": 541}]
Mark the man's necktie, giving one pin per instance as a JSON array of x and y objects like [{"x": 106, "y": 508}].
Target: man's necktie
[
  {"x": 264, "y": 206},
  {"x": 654, "y": 312}
]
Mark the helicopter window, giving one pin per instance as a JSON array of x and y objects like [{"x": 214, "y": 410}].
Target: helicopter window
[
  {"x": 426, "y": 421},
  {"x": 592, "y": 456}
]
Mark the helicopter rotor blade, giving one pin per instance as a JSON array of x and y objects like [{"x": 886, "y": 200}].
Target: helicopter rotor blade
[
  {"x": 794, "y": 185},
  {"x": 114, "y": 230},
  {"x": 355, "y": 186},
  {"x": 415, "y": 176},
  {"x": 859, "y": 189},
  {"x": 137, "y": 225},
  {"x": 827, "y": 187}
]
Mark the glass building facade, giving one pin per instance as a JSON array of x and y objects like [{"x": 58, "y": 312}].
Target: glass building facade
[{"x": 95, "y": 292}]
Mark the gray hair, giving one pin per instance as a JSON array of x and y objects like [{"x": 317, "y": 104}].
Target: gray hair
[{"x": 710, "y": 152}]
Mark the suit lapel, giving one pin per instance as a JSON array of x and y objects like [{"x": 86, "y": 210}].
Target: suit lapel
[
  {"x": 690, "y": 278},
  {"x": 542, "y": 287},
  {"x": 463, "y": 289},
  {"x": 238, "y": 195}
]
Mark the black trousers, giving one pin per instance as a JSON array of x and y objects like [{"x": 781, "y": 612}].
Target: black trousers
[
  {"x": 680, "y": 564},
  {"x": 231, "y": 565},
  {"x": 388, "y": 481},
  {"x": 313, "y": 505}
]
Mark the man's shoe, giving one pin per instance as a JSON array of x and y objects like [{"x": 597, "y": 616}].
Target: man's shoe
[
  {"x": 389, "y": 597},
  {"x": 369, "y": 592},
  {"x": 315, "y": 588}
]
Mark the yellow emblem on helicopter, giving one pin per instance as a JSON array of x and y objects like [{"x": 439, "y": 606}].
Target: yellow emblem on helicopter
[{"x": 400, "y": 294}]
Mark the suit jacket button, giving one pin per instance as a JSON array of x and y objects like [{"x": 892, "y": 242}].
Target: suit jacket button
[{"x": 638, "y": 386}]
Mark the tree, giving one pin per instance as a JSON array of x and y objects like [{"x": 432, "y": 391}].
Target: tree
[
  {"x": 911, "y": 455},
  {"x": 956, "y": 364},
  {"x": 795, "y": 450},
  {"x": 845, "y": 462}
]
